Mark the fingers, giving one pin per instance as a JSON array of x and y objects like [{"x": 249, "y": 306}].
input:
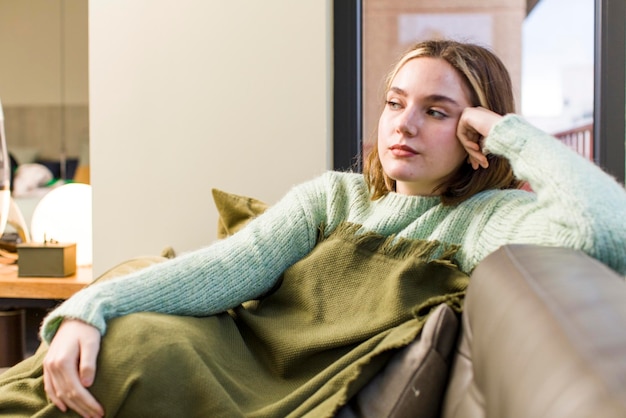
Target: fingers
[
  {"x": 475, "y": 156},
  {"x": 66, "y": 392},
  {"x": 475, "y": 123},
  {"x": 70, "y": 367},
  {"x": 472, "y": 146},
  {"x": 87, "y": 365},
  {"x": 477, "y": 163},
  {"x": 470, "y": 140},
  {"x": 51, "y": 392}
]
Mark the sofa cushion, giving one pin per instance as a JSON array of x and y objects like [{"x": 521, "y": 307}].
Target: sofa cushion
[{"x": 413, "y": 382}]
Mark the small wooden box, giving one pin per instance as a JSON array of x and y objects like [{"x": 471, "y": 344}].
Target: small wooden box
[{"x": 46, "y": 260}]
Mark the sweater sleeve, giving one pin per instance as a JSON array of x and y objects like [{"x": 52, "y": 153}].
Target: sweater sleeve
[
  {"x": 211, "y": 279},
  {"x": 576, "y": 204}
]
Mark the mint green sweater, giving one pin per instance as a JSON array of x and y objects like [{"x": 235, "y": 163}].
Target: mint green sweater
[{"x": 575, "y": 205}]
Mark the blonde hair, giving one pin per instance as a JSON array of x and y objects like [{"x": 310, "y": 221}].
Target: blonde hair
[{"x": 490, "y": 87}]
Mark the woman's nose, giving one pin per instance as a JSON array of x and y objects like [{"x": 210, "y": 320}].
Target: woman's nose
[{"x": 408, "y": 123}]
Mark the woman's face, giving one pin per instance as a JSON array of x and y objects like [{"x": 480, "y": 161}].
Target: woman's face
[{"x": 417, "y": 142}]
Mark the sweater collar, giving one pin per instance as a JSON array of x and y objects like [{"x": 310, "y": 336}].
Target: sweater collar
[{"x": 411, "y": 204}]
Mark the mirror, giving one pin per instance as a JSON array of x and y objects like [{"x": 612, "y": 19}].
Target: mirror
[{"x": 44, "y": 90}]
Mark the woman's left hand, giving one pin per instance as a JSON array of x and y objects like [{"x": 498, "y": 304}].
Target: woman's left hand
[
  {"x": 475, "y": 124},
  {"x": 69, "y": 368}
]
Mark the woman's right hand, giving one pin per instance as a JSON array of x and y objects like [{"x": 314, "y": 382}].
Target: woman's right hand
[
  {"x": 69, "y": 368},
  {"x": 474, "y": 125}
]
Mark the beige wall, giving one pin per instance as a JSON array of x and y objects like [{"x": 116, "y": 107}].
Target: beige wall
[{"x": 195, "y": 94}]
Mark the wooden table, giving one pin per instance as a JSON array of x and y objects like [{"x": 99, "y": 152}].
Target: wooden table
[
  {"x": 31, "y": 294},
  {"x": 58, "y": 288}
]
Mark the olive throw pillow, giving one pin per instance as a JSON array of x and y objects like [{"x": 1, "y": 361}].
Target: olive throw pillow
[
  {"x": 413, "y": 382},
  {"x": 235, "y": 211}
]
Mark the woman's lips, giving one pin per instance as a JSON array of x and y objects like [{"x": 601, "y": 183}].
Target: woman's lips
[{"x": 399, "y": 150}]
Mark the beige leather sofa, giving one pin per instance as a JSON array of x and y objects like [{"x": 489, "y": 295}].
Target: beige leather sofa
[{"x": 543, "y": 335}]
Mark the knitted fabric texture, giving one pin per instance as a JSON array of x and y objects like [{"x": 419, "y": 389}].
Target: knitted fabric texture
[
  {"x": 574, "y": 205},
  {"x": 301, "y": 351}
]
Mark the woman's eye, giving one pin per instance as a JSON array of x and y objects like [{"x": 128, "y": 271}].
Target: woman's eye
[
  {"x": 436, "y": 113},
  {"x": 393, "y": 105}
]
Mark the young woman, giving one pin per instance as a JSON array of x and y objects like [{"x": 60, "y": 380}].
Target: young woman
[{"x": 446, "y": 171}]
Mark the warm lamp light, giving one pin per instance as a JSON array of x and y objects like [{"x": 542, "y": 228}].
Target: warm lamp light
[{"x": 64, "y": 215}]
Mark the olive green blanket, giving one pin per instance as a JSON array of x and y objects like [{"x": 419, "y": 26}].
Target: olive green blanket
[{"x": 300, "y": 351}]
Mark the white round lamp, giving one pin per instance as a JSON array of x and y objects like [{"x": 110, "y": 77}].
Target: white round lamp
[{"x": 64, "y": 215}]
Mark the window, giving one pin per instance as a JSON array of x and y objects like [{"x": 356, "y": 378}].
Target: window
[{"x": 353, "y": 102}]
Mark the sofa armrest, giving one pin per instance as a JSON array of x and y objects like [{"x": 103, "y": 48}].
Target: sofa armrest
[{"x": 543, "y": 335}]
